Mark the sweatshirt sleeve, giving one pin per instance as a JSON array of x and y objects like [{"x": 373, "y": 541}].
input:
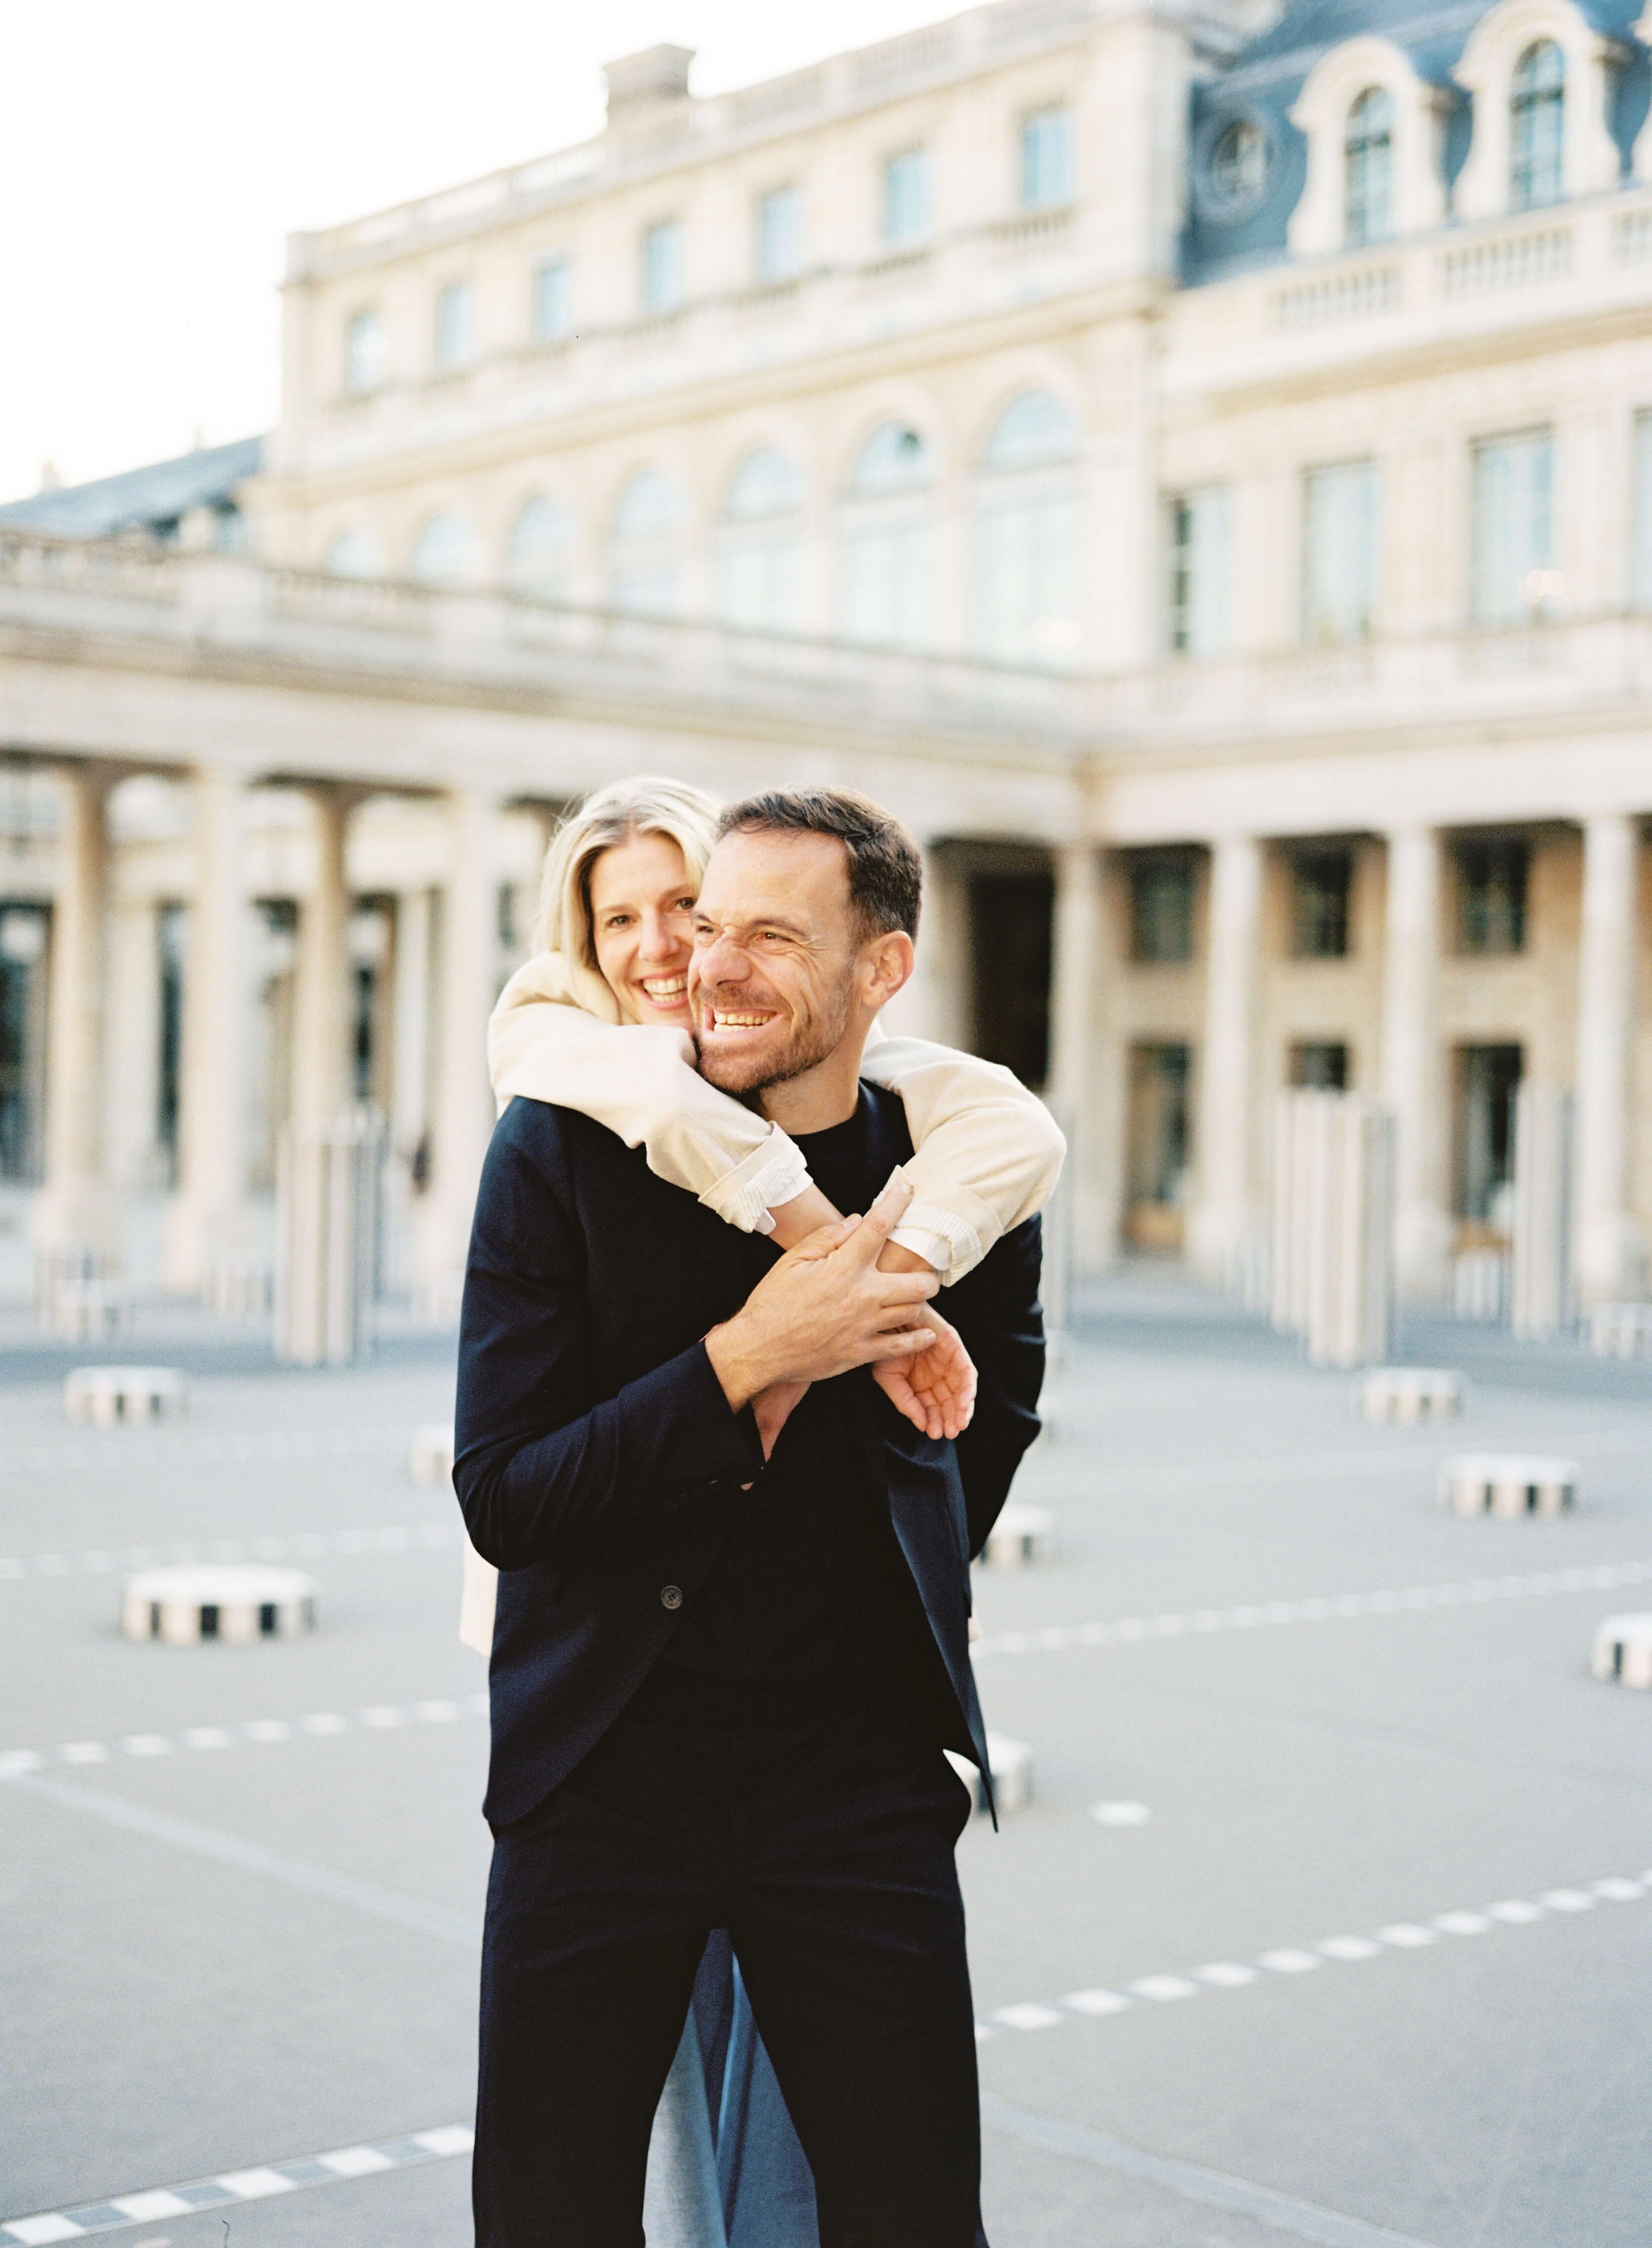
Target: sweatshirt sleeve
[
  {"x": 987, "y": 1152},
  {"x": 640, "y": 1082}
]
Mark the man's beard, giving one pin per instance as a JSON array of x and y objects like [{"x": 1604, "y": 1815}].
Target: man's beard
[{"x": 808, "y": 1046}]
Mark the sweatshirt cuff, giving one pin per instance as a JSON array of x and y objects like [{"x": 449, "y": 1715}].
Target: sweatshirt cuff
[
  {"x": 963, "y": 1238},
  {"x": 935, "y": 1248},
  {"x": 773, "y": 1173}
]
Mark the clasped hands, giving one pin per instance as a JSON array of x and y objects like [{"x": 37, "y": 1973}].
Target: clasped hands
[{"x": 826, "y": 1307}]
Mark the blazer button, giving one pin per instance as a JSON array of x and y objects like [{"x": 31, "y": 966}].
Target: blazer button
[{"x": 671, "y": 1596}]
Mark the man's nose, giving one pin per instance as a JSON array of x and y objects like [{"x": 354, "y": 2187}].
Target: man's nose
[{"x": 721, "y": 960}]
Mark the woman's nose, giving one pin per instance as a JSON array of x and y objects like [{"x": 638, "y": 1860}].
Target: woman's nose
[{"x": 661, "y": 939}]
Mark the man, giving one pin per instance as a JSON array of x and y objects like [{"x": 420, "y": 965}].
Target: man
[{"x": 721, "y": 1687}]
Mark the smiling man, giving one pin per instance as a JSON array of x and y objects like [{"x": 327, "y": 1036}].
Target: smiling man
[{"x": 722, "y": 1686}]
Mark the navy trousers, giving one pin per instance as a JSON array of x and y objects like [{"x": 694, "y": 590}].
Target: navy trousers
[{"x": 825, "y": 1849}]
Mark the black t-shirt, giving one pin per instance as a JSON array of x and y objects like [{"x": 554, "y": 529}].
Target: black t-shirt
[{"x": 811, "y": 1589}]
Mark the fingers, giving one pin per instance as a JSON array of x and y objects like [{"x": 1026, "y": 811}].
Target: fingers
[
  {"x": 880, "y": 1220},
  {"x": 906, "y": 1288}
]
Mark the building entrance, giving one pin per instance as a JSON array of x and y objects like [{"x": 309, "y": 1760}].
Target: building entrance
[{"x": 1158, "y": 1148}]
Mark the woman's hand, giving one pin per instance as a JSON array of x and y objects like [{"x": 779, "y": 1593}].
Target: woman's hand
[
  {"x": 934, "y": 1388},
  {"x": 772, "y": 1407}
]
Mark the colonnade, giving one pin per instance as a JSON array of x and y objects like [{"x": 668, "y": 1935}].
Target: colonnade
[
  {"x": 207, "y": 1218},
  {"x": 1230, "y": 1171}
]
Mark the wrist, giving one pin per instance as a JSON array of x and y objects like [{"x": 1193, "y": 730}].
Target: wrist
[{"x": 737, "y": 1363}]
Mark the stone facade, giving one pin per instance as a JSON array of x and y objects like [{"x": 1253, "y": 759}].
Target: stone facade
[{"x": 1196, "y": 468}]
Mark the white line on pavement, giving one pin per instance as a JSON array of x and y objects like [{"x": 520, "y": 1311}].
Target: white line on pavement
[
  {"x": 1270, "y": 1966},
  {"x": 377, "y": 1719},
  {"x": 1054, "y": 1639},
  {"x": 298, "y": 1545}
]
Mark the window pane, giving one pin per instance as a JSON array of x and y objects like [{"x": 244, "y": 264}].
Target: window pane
[
  {"x": 1340, "y": 553},
  {"x": 1536, "y": 126},
  {"x": 364, "y": 352},
  {"x": 1047, "y": 158},
  {"x": 906, "y": 196},
  {"x": 645, "y": 562},
  {"x": 1319, "y": 1065},
  {"x": 767, "y": 483},
  {"x": 1642, "y": 568},
  {"x": 662, "y": 267},
  {"x": 1199, "y": 572},
  {"x": 442, "y": 554},
  {"x": 1161, "y": 909},
  {"x": 1320, "y": 882},
  {"x": 541, "y": 542},
  {"x": 453, "y": 324},
  {"x": 1491, "y": 884},
  {"x": 779, "y": 234},
  {"x": 1033, "y": 429},
  {"x": 1368, "y": 158},
  {"x": 553, "y": 300},
  {"x": 353, "y": 554},
  {"x": 1513, "y": 531}
]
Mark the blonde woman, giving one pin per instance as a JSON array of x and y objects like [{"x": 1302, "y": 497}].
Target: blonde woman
[{"x": 614, "y": 941}]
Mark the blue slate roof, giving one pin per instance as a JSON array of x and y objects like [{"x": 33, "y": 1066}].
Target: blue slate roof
[
  {"x": 153, "y": 498},
  {"x": 1261, "y": 83}
]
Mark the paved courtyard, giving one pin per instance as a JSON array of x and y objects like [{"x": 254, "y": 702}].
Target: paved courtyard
[{"x": 1330, "y": 1920}]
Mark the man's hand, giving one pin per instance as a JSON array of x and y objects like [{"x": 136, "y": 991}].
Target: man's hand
[
  {"x": 823, "y": 1308},
  {"x": 935, "y": 1388}
]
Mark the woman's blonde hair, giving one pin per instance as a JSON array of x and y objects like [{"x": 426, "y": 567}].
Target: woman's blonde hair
[{"x": 648, "y": 805}]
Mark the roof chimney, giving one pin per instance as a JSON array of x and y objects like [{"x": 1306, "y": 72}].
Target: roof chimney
[{"x": 650, "y": 80}]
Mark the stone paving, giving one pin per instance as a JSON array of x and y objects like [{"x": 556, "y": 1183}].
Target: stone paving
[{"x": 1329, "y": 1920}]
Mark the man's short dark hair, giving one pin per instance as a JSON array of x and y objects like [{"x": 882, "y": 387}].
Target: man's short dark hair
[{"x": 886, "y": 873}]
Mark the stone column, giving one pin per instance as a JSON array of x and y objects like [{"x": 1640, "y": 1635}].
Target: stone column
[
  {"x": 410, "y": 1022},
  {"x": 1411, "y": 1063},
  {"x": 1608, "y": 1246},
  {"x": 208, "y": 1211},
  {"x": 1074, "y": 1006},
  {"x": 935, "y": 1003},
  {"x": 321, "y": 1086},
  {"x": 74, "y": 1205},
  {"x": 1225, "y": 1215},
  {"x": 462, "y": 1119}
]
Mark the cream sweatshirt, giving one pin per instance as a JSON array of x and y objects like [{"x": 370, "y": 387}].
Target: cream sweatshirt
[{"x": 987, "y": 1152}]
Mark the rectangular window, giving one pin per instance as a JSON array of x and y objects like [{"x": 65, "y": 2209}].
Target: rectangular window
[
  {"x": 779, "y": 234},
  {"x": 1319, "y": 1065},
  {"x": 662, "y": 266},
  {"x": 1047, "y": 158},
  {"x": 1514, "y": 577},
  {"x": 1491, "y": 883},
  {"x": 1320, "y": 885},
  {"x": 1488, "y": 1078},
  {"x": 906, "y": 196},
  {"x": 553, "y": 300},
  {"x": 1158, "y": 1137},
  {"x": 364, "y": 353},
  {"x": 1198, "y": 543},
  {"x": 453, "y": 325},
  {"x": 1641, "y": 568},
  {"x": 1339, "y": 553},
  {"x": 1161, "y": 909}
]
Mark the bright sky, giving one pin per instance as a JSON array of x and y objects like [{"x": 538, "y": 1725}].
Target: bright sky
[{"x": 155, "y": 156}]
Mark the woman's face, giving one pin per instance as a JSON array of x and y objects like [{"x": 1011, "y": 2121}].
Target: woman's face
[{"x": 641, "y": 927}]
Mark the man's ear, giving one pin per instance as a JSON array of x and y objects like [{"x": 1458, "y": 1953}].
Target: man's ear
[{"x": 886, "y": 964}]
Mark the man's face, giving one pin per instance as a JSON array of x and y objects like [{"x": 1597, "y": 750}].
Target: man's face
[{"x": 771, "y": 983}]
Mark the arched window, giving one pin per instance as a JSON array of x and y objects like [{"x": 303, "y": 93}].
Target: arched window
[
  {"x": 1536, "y": 126},
  {"x": 541, "y": 546},
  {"x": 760, "y": 545},
  {"x": 1026, "y": 535},
  {"x": 442, "y": 553},
  {"x": 646, "y": 573},
  {"x": 355, "y": 554},
  {"x": 1368, "y": 167},
  {"x": 886, "y": 587}
]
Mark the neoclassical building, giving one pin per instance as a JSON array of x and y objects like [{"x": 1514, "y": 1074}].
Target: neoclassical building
[{"x": 1195, "y": 464}]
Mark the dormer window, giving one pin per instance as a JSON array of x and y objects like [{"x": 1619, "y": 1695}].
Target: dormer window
[
  {"x": 1239, "y": 161},
  {"x": 1536, "y": 126},
  {"x": 1368, "y": 167}
]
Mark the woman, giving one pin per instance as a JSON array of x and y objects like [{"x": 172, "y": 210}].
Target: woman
[{"x": 614, "y": 940}]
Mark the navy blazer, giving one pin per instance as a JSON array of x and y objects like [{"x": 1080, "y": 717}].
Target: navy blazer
[{"x": 598, "y": 1464}]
